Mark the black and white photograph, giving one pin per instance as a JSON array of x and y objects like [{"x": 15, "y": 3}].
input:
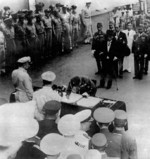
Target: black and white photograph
[{"x": 74, "y": 79}]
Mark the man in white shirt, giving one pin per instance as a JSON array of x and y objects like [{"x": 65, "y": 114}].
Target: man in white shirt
[
  {"x": 130, "y": 37},
  {"x": 45, "y": 94},
  {"x": 86, "y": 17},
  {"x": 22, "y": 81}
]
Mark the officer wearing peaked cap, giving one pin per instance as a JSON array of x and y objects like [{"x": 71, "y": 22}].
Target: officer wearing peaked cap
[
  {"x": 104, "y": 117},
  {"x": 97, "y": 44},
  {"x": 85, "y": 119},
  {"x": 99, "y": 142},
  {"x": 51, "y": 111},
  {"x": 45, "y": 94},
  {"x": 22, "y": 81},
  {"x": 128, "y": 142}
]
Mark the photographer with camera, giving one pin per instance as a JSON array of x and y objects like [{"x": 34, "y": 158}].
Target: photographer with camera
[{"x": 45, "y": 94}]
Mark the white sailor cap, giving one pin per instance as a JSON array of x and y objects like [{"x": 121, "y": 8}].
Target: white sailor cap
[
  {"x": 82, "y": 116},
  {"x": 69, "y": 125},
  {"x": 74, "y": 156},
  {"x": 93, "y": 154},
  {"x": 52, "y": 144},
  {"x": 15, "y": 130},
  {"x": 48, "y": 76},
  {"x": 24, "y": 59}
]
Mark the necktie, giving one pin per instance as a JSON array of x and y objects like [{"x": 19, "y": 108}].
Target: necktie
[{"x": 128, "y": 33}]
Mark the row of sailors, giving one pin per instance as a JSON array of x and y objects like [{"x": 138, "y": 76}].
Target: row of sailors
[
  {"x": 55, "y": 137},
  {"x": 36, "y": 35}
]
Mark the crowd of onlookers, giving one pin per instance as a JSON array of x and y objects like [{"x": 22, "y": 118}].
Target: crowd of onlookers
[
  {"x": 40, "y": 34},
  {"x": 125, "y": 37}
]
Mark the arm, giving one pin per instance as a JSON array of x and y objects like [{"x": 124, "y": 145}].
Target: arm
[{"x": 28, "y": 87}]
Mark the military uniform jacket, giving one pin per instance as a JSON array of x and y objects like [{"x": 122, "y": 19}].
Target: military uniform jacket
[
  {"x": 98, "y": 40},
  {"x": 47, "y": 126},
  {"x": 128, "y": 145},
  {"x": 140, "y": 47},
  {"x": 23, "y": 84},
  {"x": 114, "y": 143},
  {"x": 20, "y": 31}
]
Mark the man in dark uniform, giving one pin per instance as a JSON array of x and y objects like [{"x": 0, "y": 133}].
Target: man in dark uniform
[
  {"x": 104, "y": 117},
  {"x": 40, "y": 30},
  {"x": 108, "y": 57},
  {"x": 48, "y": 29},
  {"x": 122, "y": 43},
  {"x": 129, "y": 146},
  {"x": 140, "y": 49},
  {"x": 98, "y": 39},
  {"x": 49, "y": 125},
  {"x": 82, "y": 85}
]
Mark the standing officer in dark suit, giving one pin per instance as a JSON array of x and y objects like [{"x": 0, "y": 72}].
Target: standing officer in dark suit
[
  {"x": 108, "y": 58},
  {"x": 128, "y": 142},
  {"x": 49, "y": 124},
  {"x": 140, "y": 49},
  {"x": 122, "y": 43},
  {"x": 98, "y": 40}
]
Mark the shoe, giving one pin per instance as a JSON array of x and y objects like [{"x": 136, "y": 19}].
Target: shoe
[
  {"x": 102, "y": 84},
  {"x": 135, "y": 77},
  {"x": 109, "y": 84},
  {"x": 97, "y": 73},
  {"x": 145, "y": 73},
  {"x": 120, "y": 76}
]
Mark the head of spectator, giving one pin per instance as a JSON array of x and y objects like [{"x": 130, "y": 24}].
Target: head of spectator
[
  {"x": 38, "y": 18},
  {"x": 111, "y": 25},
  {"x": 8, "y": 22},
  {"x": 74, "y": 156},
  {"x": 47, "y": 13},
  {"x": 31, "y": 17},
  {"x": 24, "y": 62},
  {"x": 120, "y": 120},
  {"x": 110, "y": 35},
  {"x": 52, "y": 145},
  {"x": 64, "y": 9},
  {"x": 140, "y": 28},
  {"x": 93, "y": 154},
  {"x": 52, "y": 8},
  {"x": 6, "y": 12},
  {"x": 58, "y": 7},
  {"x": 73, "y": 7},
  {"x": 118, "y": 28},
  {"x": 48, "y": 77},
  {"x": 129, "y": 26},
  {"x": 99, "y": 27},
  {"x": 88, "y": 4},
  {"x": 122, "y": 13},
  {"x": 51, "y": 109},
  {"x": 22, "y": 19},
  {"x": 68, "y": 125},
  {"x": 14, "y": 17},
  {"x": 85, "y": 119},
  {"x": 104, "y": 117},
  {"x": 99, "y": 142}
]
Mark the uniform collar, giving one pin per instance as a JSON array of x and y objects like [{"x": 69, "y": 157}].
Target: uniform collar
[{"x": 21, "y": 68}]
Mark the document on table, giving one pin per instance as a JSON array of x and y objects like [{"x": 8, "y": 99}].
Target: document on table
[
  {"x": 72, "y": 98},
  {"x": 89, "y": 102}
]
